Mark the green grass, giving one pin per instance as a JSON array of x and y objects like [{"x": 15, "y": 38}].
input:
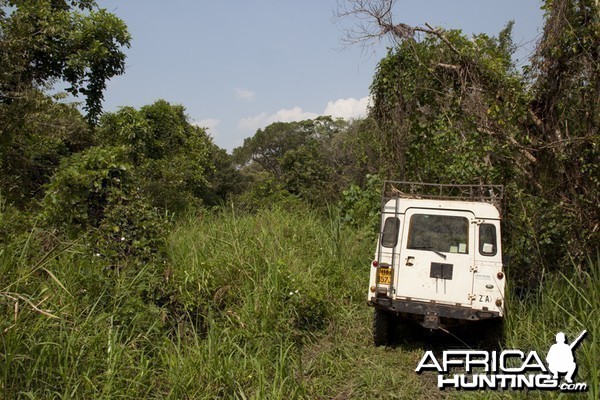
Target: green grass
[
  {"x": 568, "y": 302},
  {"x": 264, "y": 306}
]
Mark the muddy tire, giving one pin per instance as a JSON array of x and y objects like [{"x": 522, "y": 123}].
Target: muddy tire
[{"x": 384, "y": 324}]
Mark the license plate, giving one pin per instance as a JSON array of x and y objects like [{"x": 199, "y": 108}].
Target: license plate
[{"x": 384, "y": 276}]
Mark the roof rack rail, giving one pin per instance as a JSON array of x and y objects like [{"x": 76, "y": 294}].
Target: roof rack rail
[{"x": 438, "y": 191}]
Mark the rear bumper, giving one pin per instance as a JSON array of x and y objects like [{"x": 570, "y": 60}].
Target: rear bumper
[{"x": 456, "y": 312}]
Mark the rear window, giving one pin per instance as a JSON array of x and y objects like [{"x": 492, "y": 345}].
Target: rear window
[
  {"x": 443, "y": 233},
  {"x": 389, "y": 236}
]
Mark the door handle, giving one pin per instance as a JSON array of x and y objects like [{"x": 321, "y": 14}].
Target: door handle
[{"x": 410, "y": 260}]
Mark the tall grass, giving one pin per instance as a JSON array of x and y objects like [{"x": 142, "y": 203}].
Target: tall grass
[
  {"x": 243, "y": 296},
  {"x": 261, "y": 288},
  {"x": 263, "y": 306},
  {"x": 71, "y": 329},
  {"x": 568, "y": 302}
]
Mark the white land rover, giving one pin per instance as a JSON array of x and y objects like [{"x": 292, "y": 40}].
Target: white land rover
[{"x": 438, "y": 259}]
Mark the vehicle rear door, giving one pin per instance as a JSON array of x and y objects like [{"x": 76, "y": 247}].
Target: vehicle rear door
[{"x": 437, "y": 256}]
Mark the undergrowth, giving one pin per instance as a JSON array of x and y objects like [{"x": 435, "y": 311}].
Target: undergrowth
[{"x": 251, "y": 306}]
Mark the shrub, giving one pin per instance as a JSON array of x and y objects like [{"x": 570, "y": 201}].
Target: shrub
[
  {"x": 360, "y": 207},
  {"x": 85, "y": 185},
  {"x": 94, "y": 193}
]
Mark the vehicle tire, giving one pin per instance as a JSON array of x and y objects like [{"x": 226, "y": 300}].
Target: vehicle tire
[{"x": 383, "y": 327}]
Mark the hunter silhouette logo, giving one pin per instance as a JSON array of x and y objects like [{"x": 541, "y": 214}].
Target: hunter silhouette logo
[
  {"x": 470, "y": 369},
  {"x": 560, "y": 356}
]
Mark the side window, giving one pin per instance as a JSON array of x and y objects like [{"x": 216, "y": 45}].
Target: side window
[
  {"x": 487, "y": 240},
  {"x": 389, "y": 236}
]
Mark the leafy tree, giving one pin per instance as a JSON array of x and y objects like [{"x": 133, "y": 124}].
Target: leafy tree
[
  {"x": 35, "y": 133},
  {"x": 41, "y": 43},
  {"x": 44, "y": 41},
  {"x": 296, "y": 155},
  {"x": 86, "y": 185},
  {"x": 430, "y": 97},
  {"x": 307, "y": 174},
  {"x": 172, "y": 158},
  {"x": 268, "y": 146},
  {"x": 148, "y": 164},
  {"x": 356, "y": 152},
  {"x": 224, "y": 179}
]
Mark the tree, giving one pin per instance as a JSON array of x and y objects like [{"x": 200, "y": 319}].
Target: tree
[
  {"x": 429, "y": 97},
  {"x": 35, "y": 133},
  {"x": 565, "y": 74},
  {"x": 172, "y": 158},
  {"x": 41, "y": 43},
  {"x": 45, "y": 41},
  {"x": 146, "y": 166},
  {"x": 268, "y": 146},
  {"x": 295, "y": 155},
  {"x": 436, "y": 76}
]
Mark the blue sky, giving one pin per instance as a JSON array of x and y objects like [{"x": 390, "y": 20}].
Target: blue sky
[{"x": 239, "y": 65}]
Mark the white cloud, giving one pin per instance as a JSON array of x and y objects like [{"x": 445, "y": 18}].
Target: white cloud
[
  {"x": 210, "y": 124},
  {"x": 244, "y": 94},
  {"x": 284, "y": 115},
  {"x": 348, "y": 108},
  {"x": 341, "y": 108}
]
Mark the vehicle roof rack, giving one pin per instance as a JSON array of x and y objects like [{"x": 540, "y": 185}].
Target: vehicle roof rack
[{"x": 438, "y": 191}]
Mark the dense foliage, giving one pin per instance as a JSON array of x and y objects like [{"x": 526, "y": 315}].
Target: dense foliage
[
  {"x": 298, "y": 157},
  {"x": 42, "y": 43},
  {"x": 565, "y": 111},
  {"x": 154, "y": 164}
]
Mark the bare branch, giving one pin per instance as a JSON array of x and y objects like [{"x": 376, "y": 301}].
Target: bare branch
[
  {"x": 440, "y": 35},
  {"x": 449, "y": 66},
  {"x": 373, "y": 21}
]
